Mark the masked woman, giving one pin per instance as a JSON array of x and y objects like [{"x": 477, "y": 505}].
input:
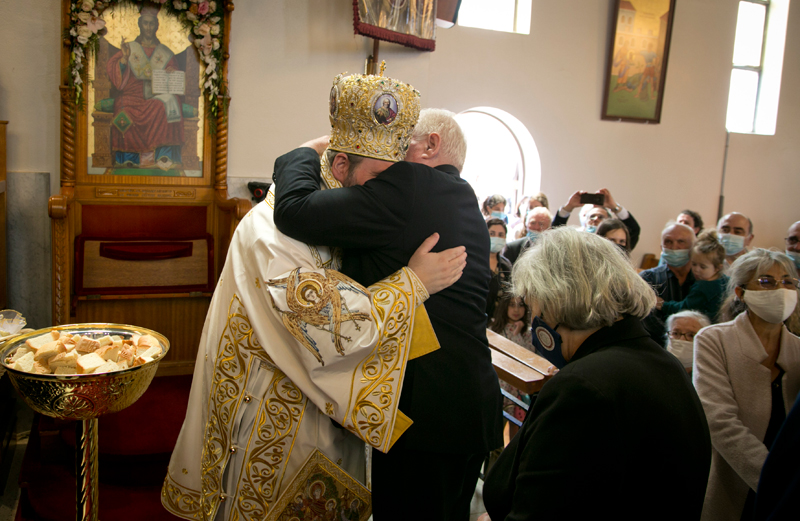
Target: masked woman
[
  {"x": 747, "y": 373},
  {"x": 619, "y": 431}
]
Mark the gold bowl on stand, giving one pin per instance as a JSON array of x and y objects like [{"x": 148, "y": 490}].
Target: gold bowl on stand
[{"x": 84, "y": 397}]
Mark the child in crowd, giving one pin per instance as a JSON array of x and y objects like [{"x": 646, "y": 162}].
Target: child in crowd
[
  {"x": 708, "y": 259},
  {"x": 512, "y": 319}
]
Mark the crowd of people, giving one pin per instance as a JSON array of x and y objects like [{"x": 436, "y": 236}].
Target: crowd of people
[
  {"x": 352, "y": 311},
  {"x": 726, "y": 311}
]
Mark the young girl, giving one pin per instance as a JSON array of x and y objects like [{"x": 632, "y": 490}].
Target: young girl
[
  {"x": 708, "y": 258},
  {"x": 512, "y": 319}
]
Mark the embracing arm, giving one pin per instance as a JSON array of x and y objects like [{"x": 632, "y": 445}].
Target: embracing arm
[{"x": 367, "y": 216}]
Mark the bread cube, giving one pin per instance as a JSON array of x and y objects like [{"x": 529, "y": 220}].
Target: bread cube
[
  {"x": 66, "y": 370},
  {"x": 107, "y": 367},
  {"x": 109, "y": 352},
  {"x": 25, "y": 363},
  {"x": 37, "y": 342},
  {"x": 87, "y": 345},
  {"x": 152, "y": 353},
  {"x": 88, "y": 363},
  {"x": 65, "y": 359},
  {"x": 48, "y": 351},
  {"x": 22, "y": 351},
  {"x": 40, "y": 368}
]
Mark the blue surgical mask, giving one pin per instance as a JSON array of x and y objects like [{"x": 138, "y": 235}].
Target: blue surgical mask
[
  {"x": 497, "y": 244},
  {"x": 532, "y": 235},
  {"x": 733, "y": 243},
  {"x": 499, "y": 215},
  {"x": 590, "y": 228},
  {"x": 675, "y": 258},
  {"x": 795, "y": 258},
  {"x": 547, "y": 342}
]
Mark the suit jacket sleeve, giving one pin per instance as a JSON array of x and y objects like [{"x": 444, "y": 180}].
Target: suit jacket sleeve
[
  {"x": 733, "y": 440},
  {"x": 559, "y": 221},
  {"x": 368, "y": 216},
  {"x": 633, "y": 228}
]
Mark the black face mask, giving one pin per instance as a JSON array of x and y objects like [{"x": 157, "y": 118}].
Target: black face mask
[{"x": 547, "y": 342}]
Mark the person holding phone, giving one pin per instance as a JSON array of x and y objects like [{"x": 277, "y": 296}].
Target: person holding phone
[{"x": 596, "y": 208}]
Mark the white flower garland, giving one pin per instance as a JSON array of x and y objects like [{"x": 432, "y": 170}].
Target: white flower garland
[{"x": 202, "y": 16}]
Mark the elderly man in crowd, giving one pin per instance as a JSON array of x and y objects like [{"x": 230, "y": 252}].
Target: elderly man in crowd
[
  {"x": 793, "y": 243},
  {"x": 681, "y": 329},
  {"x": 735, "y": 233},
  {"x": 672, "y": 280},
  {"x": 538, "y": 220},
  {"x": 592, "y": 215}
]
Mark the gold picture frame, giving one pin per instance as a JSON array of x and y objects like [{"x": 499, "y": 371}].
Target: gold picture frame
[{"x": 637, "y": 64}]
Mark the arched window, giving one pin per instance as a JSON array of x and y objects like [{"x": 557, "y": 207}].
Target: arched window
[{"x": 502, "y": 157}]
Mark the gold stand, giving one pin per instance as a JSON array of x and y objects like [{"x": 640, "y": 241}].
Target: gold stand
[
  {"x": 86, "y": 469},
  {"x": 83, "y": 397}
]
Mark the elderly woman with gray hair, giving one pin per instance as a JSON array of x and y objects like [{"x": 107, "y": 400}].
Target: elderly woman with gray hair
[
  {"x": 618, "y": 431},
  {"x": 681, "y": 329},
  {"x": 747, "y": 373}
]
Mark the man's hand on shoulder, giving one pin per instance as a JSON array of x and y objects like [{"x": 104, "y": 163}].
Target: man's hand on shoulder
[
  {"x": 319, "y": 145},
  {"x": 438, "y": 271}
]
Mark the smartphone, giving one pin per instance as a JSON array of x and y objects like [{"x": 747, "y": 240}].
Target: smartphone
[{"x": 598, "y": 199}]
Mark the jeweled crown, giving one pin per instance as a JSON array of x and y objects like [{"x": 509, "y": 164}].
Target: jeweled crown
[{"x": 372, "y": 116}]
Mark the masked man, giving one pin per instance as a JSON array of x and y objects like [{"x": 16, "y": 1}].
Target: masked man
[{"x": 288, "y": 345}]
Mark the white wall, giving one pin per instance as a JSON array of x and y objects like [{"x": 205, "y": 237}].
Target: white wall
[{"x": 284, "y": 54}]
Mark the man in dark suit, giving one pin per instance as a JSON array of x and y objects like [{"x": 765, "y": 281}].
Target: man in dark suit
[{"x": 452, "y": 395}]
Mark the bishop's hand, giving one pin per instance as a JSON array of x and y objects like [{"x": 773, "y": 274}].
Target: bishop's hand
[{"x": 438, "y": 271}]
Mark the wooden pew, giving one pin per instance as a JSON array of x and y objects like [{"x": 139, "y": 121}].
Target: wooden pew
[{"x": 516, "y": 365}]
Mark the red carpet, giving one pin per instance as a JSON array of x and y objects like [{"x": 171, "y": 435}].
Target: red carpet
[{"x": 135, "y": 446}]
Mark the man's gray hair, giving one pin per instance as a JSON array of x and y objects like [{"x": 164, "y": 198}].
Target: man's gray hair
[
  {"x": 696, "y": 315},
  {"x": 580, "y": 280},
  {"x": 539, "y": 210},
  {"x": 453, "y": 143}
]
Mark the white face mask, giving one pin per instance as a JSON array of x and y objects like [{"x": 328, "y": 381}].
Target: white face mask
[
  {"x": 496, "y": 244},
  {"x": 683, "y": 351},
  {"x": 773, "y": 306}
]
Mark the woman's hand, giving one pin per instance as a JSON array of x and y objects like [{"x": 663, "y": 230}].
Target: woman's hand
[
  {"x": 438, "y": 271},
  {"x": 659, "y": 302}
]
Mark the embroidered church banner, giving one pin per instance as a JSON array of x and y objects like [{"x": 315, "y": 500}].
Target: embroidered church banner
[{"x": 408, "y": 22}]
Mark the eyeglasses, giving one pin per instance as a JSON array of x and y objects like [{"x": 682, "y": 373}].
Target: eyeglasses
[
  {"x": 768, "y": 282},
  {"x": 678, "y": 335},
  {"x": 792, "y": 241}
]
